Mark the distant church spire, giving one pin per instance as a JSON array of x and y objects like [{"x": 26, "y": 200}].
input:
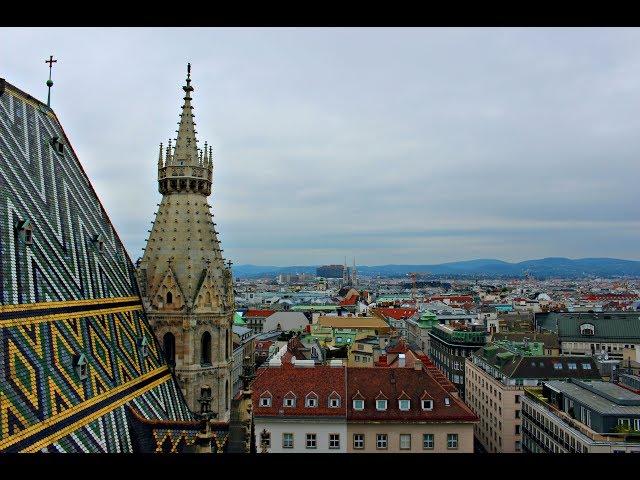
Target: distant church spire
[{"x": 186, "y": 149}]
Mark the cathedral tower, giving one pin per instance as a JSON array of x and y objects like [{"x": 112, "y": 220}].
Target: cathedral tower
[{"x": 185, "y": 284}]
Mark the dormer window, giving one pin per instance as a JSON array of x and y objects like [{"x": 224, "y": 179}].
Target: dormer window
[
  {"x": 265, "y": 399},
  {"x": 143, "y": 344},
  {"x": 311, "y": 400},
  {"x": 427, "y": 404},
  {"x": 447, "y": 401},
  {"x": 334, "y": 400},
  {"x": 57, "y": 145},
  {"x": 81, "y": 366},
  {"x": 25, "y": 231},
  {"x": 358, "y": 405},
  {"x": 404, "y": 405},
  {"x": 290, "y": 400},
  {"x": 381, "y": 405},
  {"x": 98, "y": 242},
  {"x": 587, "y": 329}
]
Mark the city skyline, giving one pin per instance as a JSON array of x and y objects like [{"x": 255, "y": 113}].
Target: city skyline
[{"x": 334, "y": 141}]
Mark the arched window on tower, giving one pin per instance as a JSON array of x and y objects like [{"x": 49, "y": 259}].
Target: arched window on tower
[
  {"x": 205, "y": 349},
  {"x": 226, "y": 395},
  {"x": 226, "y": 345},
  {"x": 169, "y": 347},
  {"x": 169, "y": 298}
]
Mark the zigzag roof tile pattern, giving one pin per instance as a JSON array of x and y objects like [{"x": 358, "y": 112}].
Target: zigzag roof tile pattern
[{"x": 77, "y": 355}]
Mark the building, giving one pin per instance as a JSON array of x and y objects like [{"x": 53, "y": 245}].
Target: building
[
  {"x": 405, "y": 410},
  {"x": 285, "y": 321},
  {"x": 306, "y": 408},
  {"x": 375, "y": 324},
  {"x": 451, "y": 345},
  {"x": 495, "y": 378},
  {"x": 551, "y": 345},
  {"x": 617, "y": 333},
  {"x": 330, "y": 271},
  {"x": 185, "y": 284},
  {"x": 574, "y": 416},
  {"x": 81, "y": 368},
  {"x": 396, "y": 317},
  {"x": 300, "y": 408},
  {"x": 418, "y": 330},
  {"x": 255, "y": 318},
  {"x": 243, "y": 346}
]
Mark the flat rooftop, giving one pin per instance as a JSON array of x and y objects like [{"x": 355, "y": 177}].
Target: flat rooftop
[{"x": 603, "y": 397}]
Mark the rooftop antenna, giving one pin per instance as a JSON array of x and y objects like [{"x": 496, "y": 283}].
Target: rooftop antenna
[{"x": 51, "y": 61}]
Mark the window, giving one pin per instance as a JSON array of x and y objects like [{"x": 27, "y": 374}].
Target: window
[
  {"x": 452, "y": 441},
  {"x": 311, "y": 440},
  {"x": 289, "y": 401},
  {"x": 427, "y": 441},
  {"x": 447, "y": 401},
  {"x": 169, "y": 347},
  {"x": 381, "y": 440},
  {"x": 334, "y": 402},
  {"x": 311, "y": 401},
  {"x": 381, "y": 405},
  {"x": 625, "y": 422},
  {"x": 334, "y": 441},
  {"x": 586, "y": 366},
  {"x": 517, "y": 398},
  {"x": 358, "y": 405},
  {"x": 358, "y": 441},
  {"x": 517, "y": 413},
  {"x": 517, "y": 429},
  {"x": 636, "y": 424},
  {"x": 427, "y": 404},
  {"x": 573, "y": 366},
  {"x": 169, "y": 298},
  {"x": 404, "y": 405},
  {"x": 405, "y": 441},
  {"x": 205, "y": 349},
  {"x": 557, "y": 366},
  {"x": 81, "y": 367},
  {"x": 287, "y": 440}
]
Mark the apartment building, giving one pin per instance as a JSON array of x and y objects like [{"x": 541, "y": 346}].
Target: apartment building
[
  {"x": 575, "y": 416},
  {"x": 299, "y": 407},
  {"x": 451, "y": 345},
  {"x": 495, "y": 379},
  {"x": 306, "y": 408},
  {"x": 617, "y": 333},
  {"x": 405, "y": 410}
]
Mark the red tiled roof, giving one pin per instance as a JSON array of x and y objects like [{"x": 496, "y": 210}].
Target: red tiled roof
[
  {"x": 370, "y": 382},
  {"x": 321, "y": 379},
  {"x": 397, "y": 313},
  {"x": 263, "y": 345},
  {"x": 349, "y": 301},
  {"x": 259, "y": 313}
]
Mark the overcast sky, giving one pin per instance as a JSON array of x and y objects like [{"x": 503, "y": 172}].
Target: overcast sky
[{"x": 390, "y": 145}]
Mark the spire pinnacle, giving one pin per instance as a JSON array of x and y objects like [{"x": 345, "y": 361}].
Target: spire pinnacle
[
  {"x": 186, "y": 152},
  {"x": 51, "y": 61}
]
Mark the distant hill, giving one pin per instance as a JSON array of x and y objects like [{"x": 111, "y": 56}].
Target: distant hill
[{"x": 543, "y": 268}]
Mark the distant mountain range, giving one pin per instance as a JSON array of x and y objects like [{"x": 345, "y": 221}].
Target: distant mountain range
[{"x": 553, "y": 267}]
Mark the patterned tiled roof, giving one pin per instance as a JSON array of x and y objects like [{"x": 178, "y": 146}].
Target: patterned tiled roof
[{"x": 76, "y": 349}]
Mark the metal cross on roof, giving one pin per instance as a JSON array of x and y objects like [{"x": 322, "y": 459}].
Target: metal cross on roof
[{"x": 51, "y": 61}]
